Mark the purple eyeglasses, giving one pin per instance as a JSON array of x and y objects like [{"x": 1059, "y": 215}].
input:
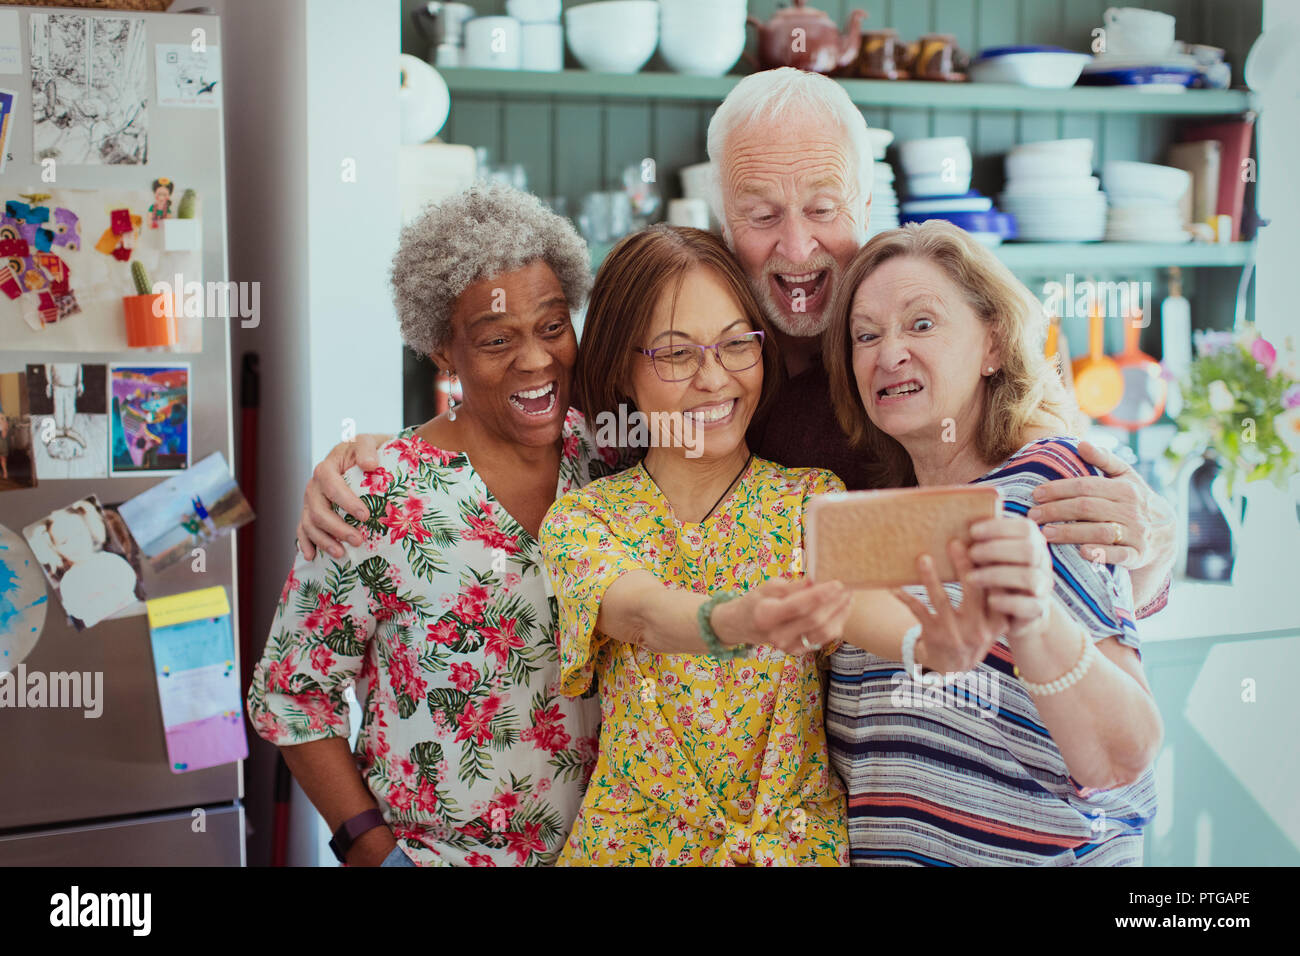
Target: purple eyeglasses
[{"x": 682, "y": 360}]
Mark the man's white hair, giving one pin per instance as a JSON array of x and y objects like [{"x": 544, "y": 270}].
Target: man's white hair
[{"x": 773, "y": 96}]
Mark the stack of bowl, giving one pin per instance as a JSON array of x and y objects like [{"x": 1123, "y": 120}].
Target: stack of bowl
[
  {"x": 938, "y": 173},
  {"x": 1052, "y": 193},
  {"x": 1144, "y": 201},
  {"x": 701, "y": 37},
  {"x": 936, "y": 166},
  {"x": 884, "y": 200}
]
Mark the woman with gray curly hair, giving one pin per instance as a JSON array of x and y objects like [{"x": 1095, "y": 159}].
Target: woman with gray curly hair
[{"x": 435, "y": 606}]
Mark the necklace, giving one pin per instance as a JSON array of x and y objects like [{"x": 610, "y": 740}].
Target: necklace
[{"x": 725, "y": 491}]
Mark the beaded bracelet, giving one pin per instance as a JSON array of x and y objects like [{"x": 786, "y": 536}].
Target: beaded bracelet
[
  {"x": 717, "y": 649},
  {"x": 1066, "y": 680}
]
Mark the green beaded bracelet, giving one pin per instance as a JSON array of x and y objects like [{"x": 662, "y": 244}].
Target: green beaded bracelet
[{"x": 717, "y": 649}]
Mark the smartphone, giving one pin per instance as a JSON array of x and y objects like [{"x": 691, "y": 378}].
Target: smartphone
[{"x": 871, "y": 539}]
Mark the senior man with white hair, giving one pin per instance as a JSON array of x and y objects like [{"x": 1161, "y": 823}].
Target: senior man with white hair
[
  {"x": 792, "y": 181},
  {"x": 791, "y": 185}
]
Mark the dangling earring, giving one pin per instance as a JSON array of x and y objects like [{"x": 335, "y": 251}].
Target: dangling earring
[{"x": 451, "y": 412}]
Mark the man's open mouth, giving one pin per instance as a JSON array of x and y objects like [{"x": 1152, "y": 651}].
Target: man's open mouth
[
  {"x": 805, "y": 287},
  {"x": 535, "y": 401}
]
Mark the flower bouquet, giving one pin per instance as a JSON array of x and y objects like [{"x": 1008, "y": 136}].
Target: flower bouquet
[{"x": 1241, "y": 404}]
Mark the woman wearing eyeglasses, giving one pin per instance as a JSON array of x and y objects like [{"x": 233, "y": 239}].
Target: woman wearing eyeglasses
[{"x": 679, "y": 590}]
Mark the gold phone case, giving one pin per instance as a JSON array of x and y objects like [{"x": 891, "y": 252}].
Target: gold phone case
[{"x": 871, "y": 539}]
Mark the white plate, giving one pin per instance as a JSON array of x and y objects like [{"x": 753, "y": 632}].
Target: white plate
[{"x": 960, "y": 204}]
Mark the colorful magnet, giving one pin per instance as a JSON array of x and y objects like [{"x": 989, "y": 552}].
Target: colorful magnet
[
  {"x": 13, "y": 247},
  {"x": 120, "y": 220},
  {"x": 48, "y": 308},
  {"x": 9, "y": 282}
]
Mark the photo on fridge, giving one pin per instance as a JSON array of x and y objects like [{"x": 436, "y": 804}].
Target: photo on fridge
[
  {"x": 150, "y": 419},
  {"x": 68, "y": 403},
  {"x": 84, "y": 559}
]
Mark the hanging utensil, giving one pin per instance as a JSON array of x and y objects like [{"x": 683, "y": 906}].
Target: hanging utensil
[
  {"x": 1098, "y": 384},
  {"x": 1145, "y": 389}
]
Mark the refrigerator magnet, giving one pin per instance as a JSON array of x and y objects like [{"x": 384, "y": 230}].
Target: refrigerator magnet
[{"x": 149, "y": 418}]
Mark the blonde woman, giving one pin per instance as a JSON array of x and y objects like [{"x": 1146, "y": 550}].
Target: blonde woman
[{"x": 1042, "y": 755}]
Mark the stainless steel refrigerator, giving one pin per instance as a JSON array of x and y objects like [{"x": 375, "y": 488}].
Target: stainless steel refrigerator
[{"x": 76, "y": 790}]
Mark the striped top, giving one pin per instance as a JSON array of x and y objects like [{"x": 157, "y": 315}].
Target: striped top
[{"x": 963, "y": 772}]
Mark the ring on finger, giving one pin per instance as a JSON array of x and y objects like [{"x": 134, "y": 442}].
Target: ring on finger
[{"x": 1119, "y": 532}]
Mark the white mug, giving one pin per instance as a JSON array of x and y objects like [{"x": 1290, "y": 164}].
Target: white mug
[
  {"x": 689, "y": 212},
  {"x": 543, "y": 47},
  {"x": 493, "y": 43},
  {"x": 1135, "y": 30}
]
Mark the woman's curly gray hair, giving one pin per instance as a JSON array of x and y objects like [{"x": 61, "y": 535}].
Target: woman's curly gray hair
[{"x": 488, "y": 230}]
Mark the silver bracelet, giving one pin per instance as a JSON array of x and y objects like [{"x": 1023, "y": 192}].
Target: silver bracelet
[
  {"x": 909, "y": 652},
  {"x": 1069, "y": 679}
]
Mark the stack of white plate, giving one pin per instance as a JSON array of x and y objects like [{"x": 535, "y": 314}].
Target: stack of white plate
[
  {"x": 884, "y": 201},
  {"x": 936, "y": 166},
  {"x": 1052, "y": 193},
  {"x": 1144, "y": 201}
]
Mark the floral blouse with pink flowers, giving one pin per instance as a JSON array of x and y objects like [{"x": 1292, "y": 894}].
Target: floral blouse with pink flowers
[{"x": 441, "y": 621}]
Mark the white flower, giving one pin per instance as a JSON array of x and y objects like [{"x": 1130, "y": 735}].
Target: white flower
[
  {"x": 1220, "y": 396},
  {"x": 1184, "y": 443},
  {"x": 1288, "y": 428}
]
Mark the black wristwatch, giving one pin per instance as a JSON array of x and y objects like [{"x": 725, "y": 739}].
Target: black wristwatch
[{"x": 351, "y": 830}]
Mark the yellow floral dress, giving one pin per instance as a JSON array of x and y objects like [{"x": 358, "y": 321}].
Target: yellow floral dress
[{"x": 701, "y": 762}]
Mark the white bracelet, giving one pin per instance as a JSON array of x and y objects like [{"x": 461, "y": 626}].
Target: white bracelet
[
  {"x": 909, "y": 652},
  {"x": 1068, "y": 680}
]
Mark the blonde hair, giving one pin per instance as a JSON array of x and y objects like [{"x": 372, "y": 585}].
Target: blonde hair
[{"x": 1026, "y": 391}]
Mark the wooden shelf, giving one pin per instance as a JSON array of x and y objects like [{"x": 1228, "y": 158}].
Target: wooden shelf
[
  {"x": 895, "y": 94},
  {"x": 1081, "y": 256}
]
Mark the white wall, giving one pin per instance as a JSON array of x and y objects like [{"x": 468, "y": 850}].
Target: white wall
[
  {"x": 1279, "y": 200},
  {"x": 310, "y": 83}
]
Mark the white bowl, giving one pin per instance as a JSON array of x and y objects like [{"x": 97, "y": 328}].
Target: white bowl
[
  {"x": 1046, "y": 70},
  {"x": 616, "y": 36},
  {"x": 1051, "y": 186},
  {"x": 1145, "y": 180},
  {"x": 697, "y": 11},
  {"x": 707, "y": 43},
  {"x": 927, "y": 155},
  {"x": 935, "y": 184},
  {"x": 1036, "y": 165},
  {"x": 880, "y": 140},
  {"x": 534, "y": 11},
  {"x": 1069, "y": 148}
]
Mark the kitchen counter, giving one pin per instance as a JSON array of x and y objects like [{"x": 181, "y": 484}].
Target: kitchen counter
[{"x": 1203, "y": 609}]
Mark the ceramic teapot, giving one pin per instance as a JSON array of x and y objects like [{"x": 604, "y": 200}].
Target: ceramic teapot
[{"x": 807, "y": 39}]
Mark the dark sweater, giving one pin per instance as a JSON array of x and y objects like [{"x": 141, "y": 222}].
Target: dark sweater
[{"x": 799, "y": 430}]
